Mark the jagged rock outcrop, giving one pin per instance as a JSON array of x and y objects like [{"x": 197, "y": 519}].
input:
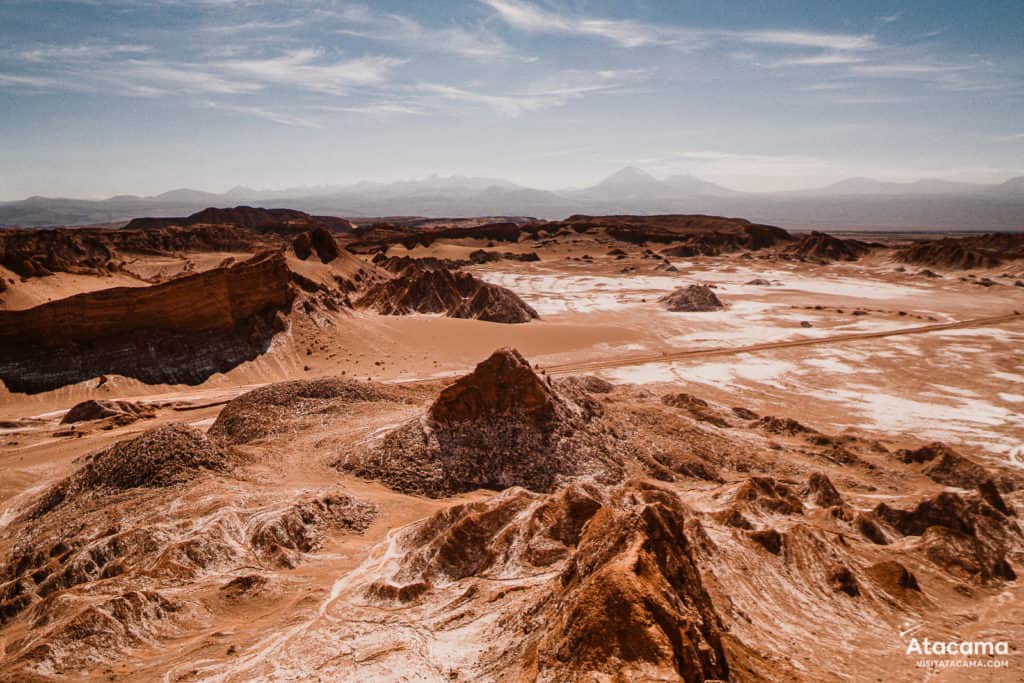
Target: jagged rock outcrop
[
  {"x": 945, "y": 465},
  {"x": 693, "y": 298},
  {"x": 628, "y": 603},
  {"x": 821, "y": 491},
  {"x": 439, "y": 290},
  {"x": 963, "y": 534},
  {"x": 319, "y": 240},
  {"x": 501, "y": 425},
  {"x": 819, "y": 246},
  {"x": 181, "y": 331}
]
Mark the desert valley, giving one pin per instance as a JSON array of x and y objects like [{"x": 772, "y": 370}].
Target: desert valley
[{"x": 254, "y": 444}]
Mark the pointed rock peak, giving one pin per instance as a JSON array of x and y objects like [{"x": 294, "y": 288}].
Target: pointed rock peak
[{"x": 503, "y": 384}]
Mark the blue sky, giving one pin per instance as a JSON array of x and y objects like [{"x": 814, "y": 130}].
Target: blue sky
[{"x": 132, "y": 96}]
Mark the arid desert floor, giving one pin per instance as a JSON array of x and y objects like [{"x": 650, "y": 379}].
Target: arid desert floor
[{"x": 421, "y": 464}]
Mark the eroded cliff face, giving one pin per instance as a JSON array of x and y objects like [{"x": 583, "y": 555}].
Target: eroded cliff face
[{"x": 182, "y": 331}]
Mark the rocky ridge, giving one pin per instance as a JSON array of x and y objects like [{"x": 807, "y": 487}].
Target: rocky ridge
[{"x": 181, "y": 331}]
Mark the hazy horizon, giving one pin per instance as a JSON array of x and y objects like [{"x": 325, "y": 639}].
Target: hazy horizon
[
  {"x": 126, "y": 97},
  {"x": 454, "y": 179}
]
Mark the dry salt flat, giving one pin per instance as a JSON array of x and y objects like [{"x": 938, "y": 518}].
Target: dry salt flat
[{"x": 847, "y": 387}]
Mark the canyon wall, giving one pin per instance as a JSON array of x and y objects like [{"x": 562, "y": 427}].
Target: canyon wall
[{"x": 181, "y": 331}]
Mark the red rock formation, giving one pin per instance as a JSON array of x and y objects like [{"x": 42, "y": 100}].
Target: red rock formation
[
  {"x": 318, "y": 240},
  {"x": 439, "y": 290},
  {"x": 181, "y": 331},
  {"x": 502, "y": 425},
  {"x": 503, "y": 384}
]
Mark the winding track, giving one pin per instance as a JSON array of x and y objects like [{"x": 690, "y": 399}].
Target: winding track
[{"x": 641, "y": 359}]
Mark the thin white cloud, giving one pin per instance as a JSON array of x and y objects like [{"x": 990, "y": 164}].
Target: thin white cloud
[
  {"x": 48, "y": 53},
  {"x": 889, "y": 18},
  {"x": 165, "y": 77},
  {"x": 306, "y": 69},
  {"x": 377, "y": 109},
  {"x": 829, "y": 59},
  {"x": 35, "y": 82},
  {"x": 830, "y": 41},
  {"x": 904, "y": 70},
  {"x": 249, "y": 26},
  {"x": 543, "y": 96},
  {"x": 554, "y": 90},
  {"x": 530, "y": 17}
]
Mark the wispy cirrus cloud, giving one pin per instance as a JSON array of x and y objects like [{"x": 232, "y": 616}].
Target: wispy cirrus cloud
[
  {"x": 87, "y": 68},
  {"x": 251, "y": 26},
  {"x": 554, "y": 91},
  {"x": 308, "y": 69},
  {"x": 413, "y": 35},
  {"x": 827, "y": 59},
  {"x": 47, "y": 53},
  {"x": 627, "y": 33},
  {"x": 812, "y": 39},
  {"x": 379, "y": 109},
  {"x": 33, "y": 82}
]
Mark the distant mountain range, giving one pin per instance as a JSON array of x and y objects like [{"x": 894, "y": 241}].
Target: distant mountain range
[{"x": 849, "y": 204}]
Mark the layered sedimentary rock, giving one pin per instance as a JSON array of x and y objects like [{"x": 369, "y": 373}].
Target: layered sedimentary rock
[
  {"x": 439, "y": 290},
  {"x": 182, "y": 331}
]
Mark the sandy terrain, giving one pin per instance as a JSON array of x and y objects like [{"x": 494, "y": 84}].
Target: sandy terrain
[{"x": 866, "y": 351}]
